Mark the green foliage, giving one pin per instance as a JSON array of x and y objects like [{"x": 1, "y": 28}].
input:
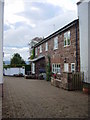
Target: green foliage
[
  {"x": 86, "y": 85},
  {"x": 12, "y": 66},
  {"x": 48, "y": 70},
  {"x": 17, "y": 60},
  {"x": 33, "y": 54}
]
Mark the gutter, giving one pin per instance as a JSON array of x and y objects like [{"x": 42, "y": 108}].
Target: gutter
[
  {"x": 56, "y": 33},
  {"x": 76, "y": 48}
]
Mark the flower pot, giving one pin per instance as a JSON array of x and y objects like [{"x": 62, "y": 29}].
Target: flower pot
[{"x": 86, "y": 90}]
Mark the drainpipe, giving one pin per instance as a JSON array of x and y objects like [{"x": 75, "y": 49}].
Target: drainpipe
[{"x": 76, "y": 48}]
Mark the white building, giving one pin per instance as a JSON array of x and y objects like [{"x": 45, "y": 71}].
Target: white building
[
  {"x": 84, "y": 26},
  {"x": 1, "y": 40},
  {"x": 32, "y": 43}
]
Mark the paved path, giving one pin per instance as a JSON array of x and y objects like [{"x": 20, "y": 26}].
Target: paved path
[{"x": 24, "y": 98}]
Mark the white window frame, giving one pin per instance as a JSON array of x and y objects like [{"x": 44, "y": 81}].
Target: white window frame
[
  {"x": 56, "y": 68},
  {"x": 66, "y": 67},
  {"x": 36, "y": 51},
  {"x": 40, "y": 48},
  {"x": 66, "y": 37},
  {"x": 46, "y": 48},
  {"x": 72, "y": 70},
  {"x": 55, "y": 43}
]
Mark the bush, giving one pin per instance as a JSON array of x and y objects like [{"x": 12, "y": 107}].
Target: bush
[{"x": 48, "y": 70}]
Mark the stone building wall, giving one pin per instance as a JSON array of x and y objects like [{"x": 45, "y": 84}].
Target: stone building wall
[{"x": 68, "y": 52}]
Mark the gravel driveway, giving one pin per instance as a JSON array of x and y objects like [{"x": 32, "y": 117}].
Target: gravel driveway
[{"x": 25, "y": 98}]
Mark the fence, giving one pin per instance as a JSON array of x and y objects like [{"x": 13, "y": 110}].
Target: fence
[{"x": 75, "y": 80}]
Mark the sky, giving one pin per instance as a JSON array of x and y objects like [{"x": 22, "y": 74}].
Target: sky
[{"x": 27, "y": 19}]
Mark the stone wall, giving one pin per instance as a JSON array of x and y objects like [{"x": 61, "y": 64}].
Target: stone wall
[{"x": 69, "y": 81}]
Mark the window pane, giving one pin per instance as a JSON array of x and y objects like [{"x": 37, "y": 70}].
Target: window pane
[
  {"x": 67, "y": 38},
  {"x": 36, "y": 51},
  {"x": 56, "y": 43},
  {"x": 40, "y": 48},
  {"x": 72, "y": 67},
  {"x": 68, "y": 41},
  {"x": 68, "y": 34},
  {"x": 65, "y": 42},
  {"x": 55, "y": 65},
  {"x": 46, "y": 46}
]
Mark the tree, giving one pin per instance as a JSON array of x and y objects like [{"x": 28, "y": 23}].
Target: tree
[
  {"x": 33, "y": 54},
  {"x": 17, "y": 60},
  {"x": 48, "y": 69}
]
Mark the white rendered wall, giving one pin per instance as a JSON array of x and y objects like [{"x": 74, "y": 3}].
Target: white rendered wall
[
  {"x": 89, "y": 42},
  {"x": 12, "y": 71},
  {"x": 84, "y": 27},
  {"x": 1, "y": 42}
]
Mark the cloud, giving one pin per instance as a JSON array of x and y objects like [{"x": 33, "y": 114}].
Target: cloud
[
  {"x": 26, "y": 19},
  {"x": 65, "y": 4},
  {"x": 11, "y": 8},
  {"x": 18, "y": 37},
  {"x": 40, "y": 11},
  {"x": 9, "y": 51}
]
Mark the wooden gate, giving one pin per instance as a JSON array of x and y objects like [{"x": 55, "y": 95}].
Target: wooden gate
[{"x": 75, "y": 81}]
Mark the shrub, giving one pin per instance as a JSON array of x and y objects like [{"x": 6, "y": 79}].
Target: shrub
[{"x": 48, "y": 70}]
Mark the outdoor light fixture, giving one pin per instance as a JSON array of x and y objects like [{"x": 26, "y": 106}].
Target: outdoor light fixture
[{"x": 65, "y": 60}]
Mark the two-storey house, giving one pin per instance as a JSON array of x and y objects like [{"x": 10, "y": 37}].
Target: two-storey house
[{"x": 62, "y": 47}]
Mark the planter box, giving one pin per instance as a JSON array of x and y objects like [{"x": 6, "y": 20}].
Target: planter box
[{"x": 56, "y": 82}]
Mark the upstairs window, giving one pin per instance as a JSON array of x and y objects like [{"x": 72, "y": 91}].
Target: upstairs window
[
  {"x": 35, "y": 51},
  {"x": 40, "y": 49},
  {"x": 46, "y": 49},
  {"x": 55, "y": 43},
  {"x": 72, "y": 67},
  {"x": 67, "y": 39}
]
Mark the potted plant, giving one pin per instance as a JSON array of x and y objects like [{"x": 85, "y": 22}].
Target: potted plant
[{"x": 86, "y": 88}]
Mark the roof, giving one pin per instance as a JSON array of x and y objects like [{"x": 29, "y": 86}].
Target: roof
[
  {"x": 56, "y": 33},
  {"x": 38, "y": 58},
  {"x": 81, "y": 1}
]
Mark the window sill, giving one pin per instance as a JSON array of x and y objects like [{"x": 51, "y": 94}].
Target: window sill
[
  {"x": 59, "y": 73},
  {"x": 55, "y": 49},
  {"x": 66, "y": 46}
]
